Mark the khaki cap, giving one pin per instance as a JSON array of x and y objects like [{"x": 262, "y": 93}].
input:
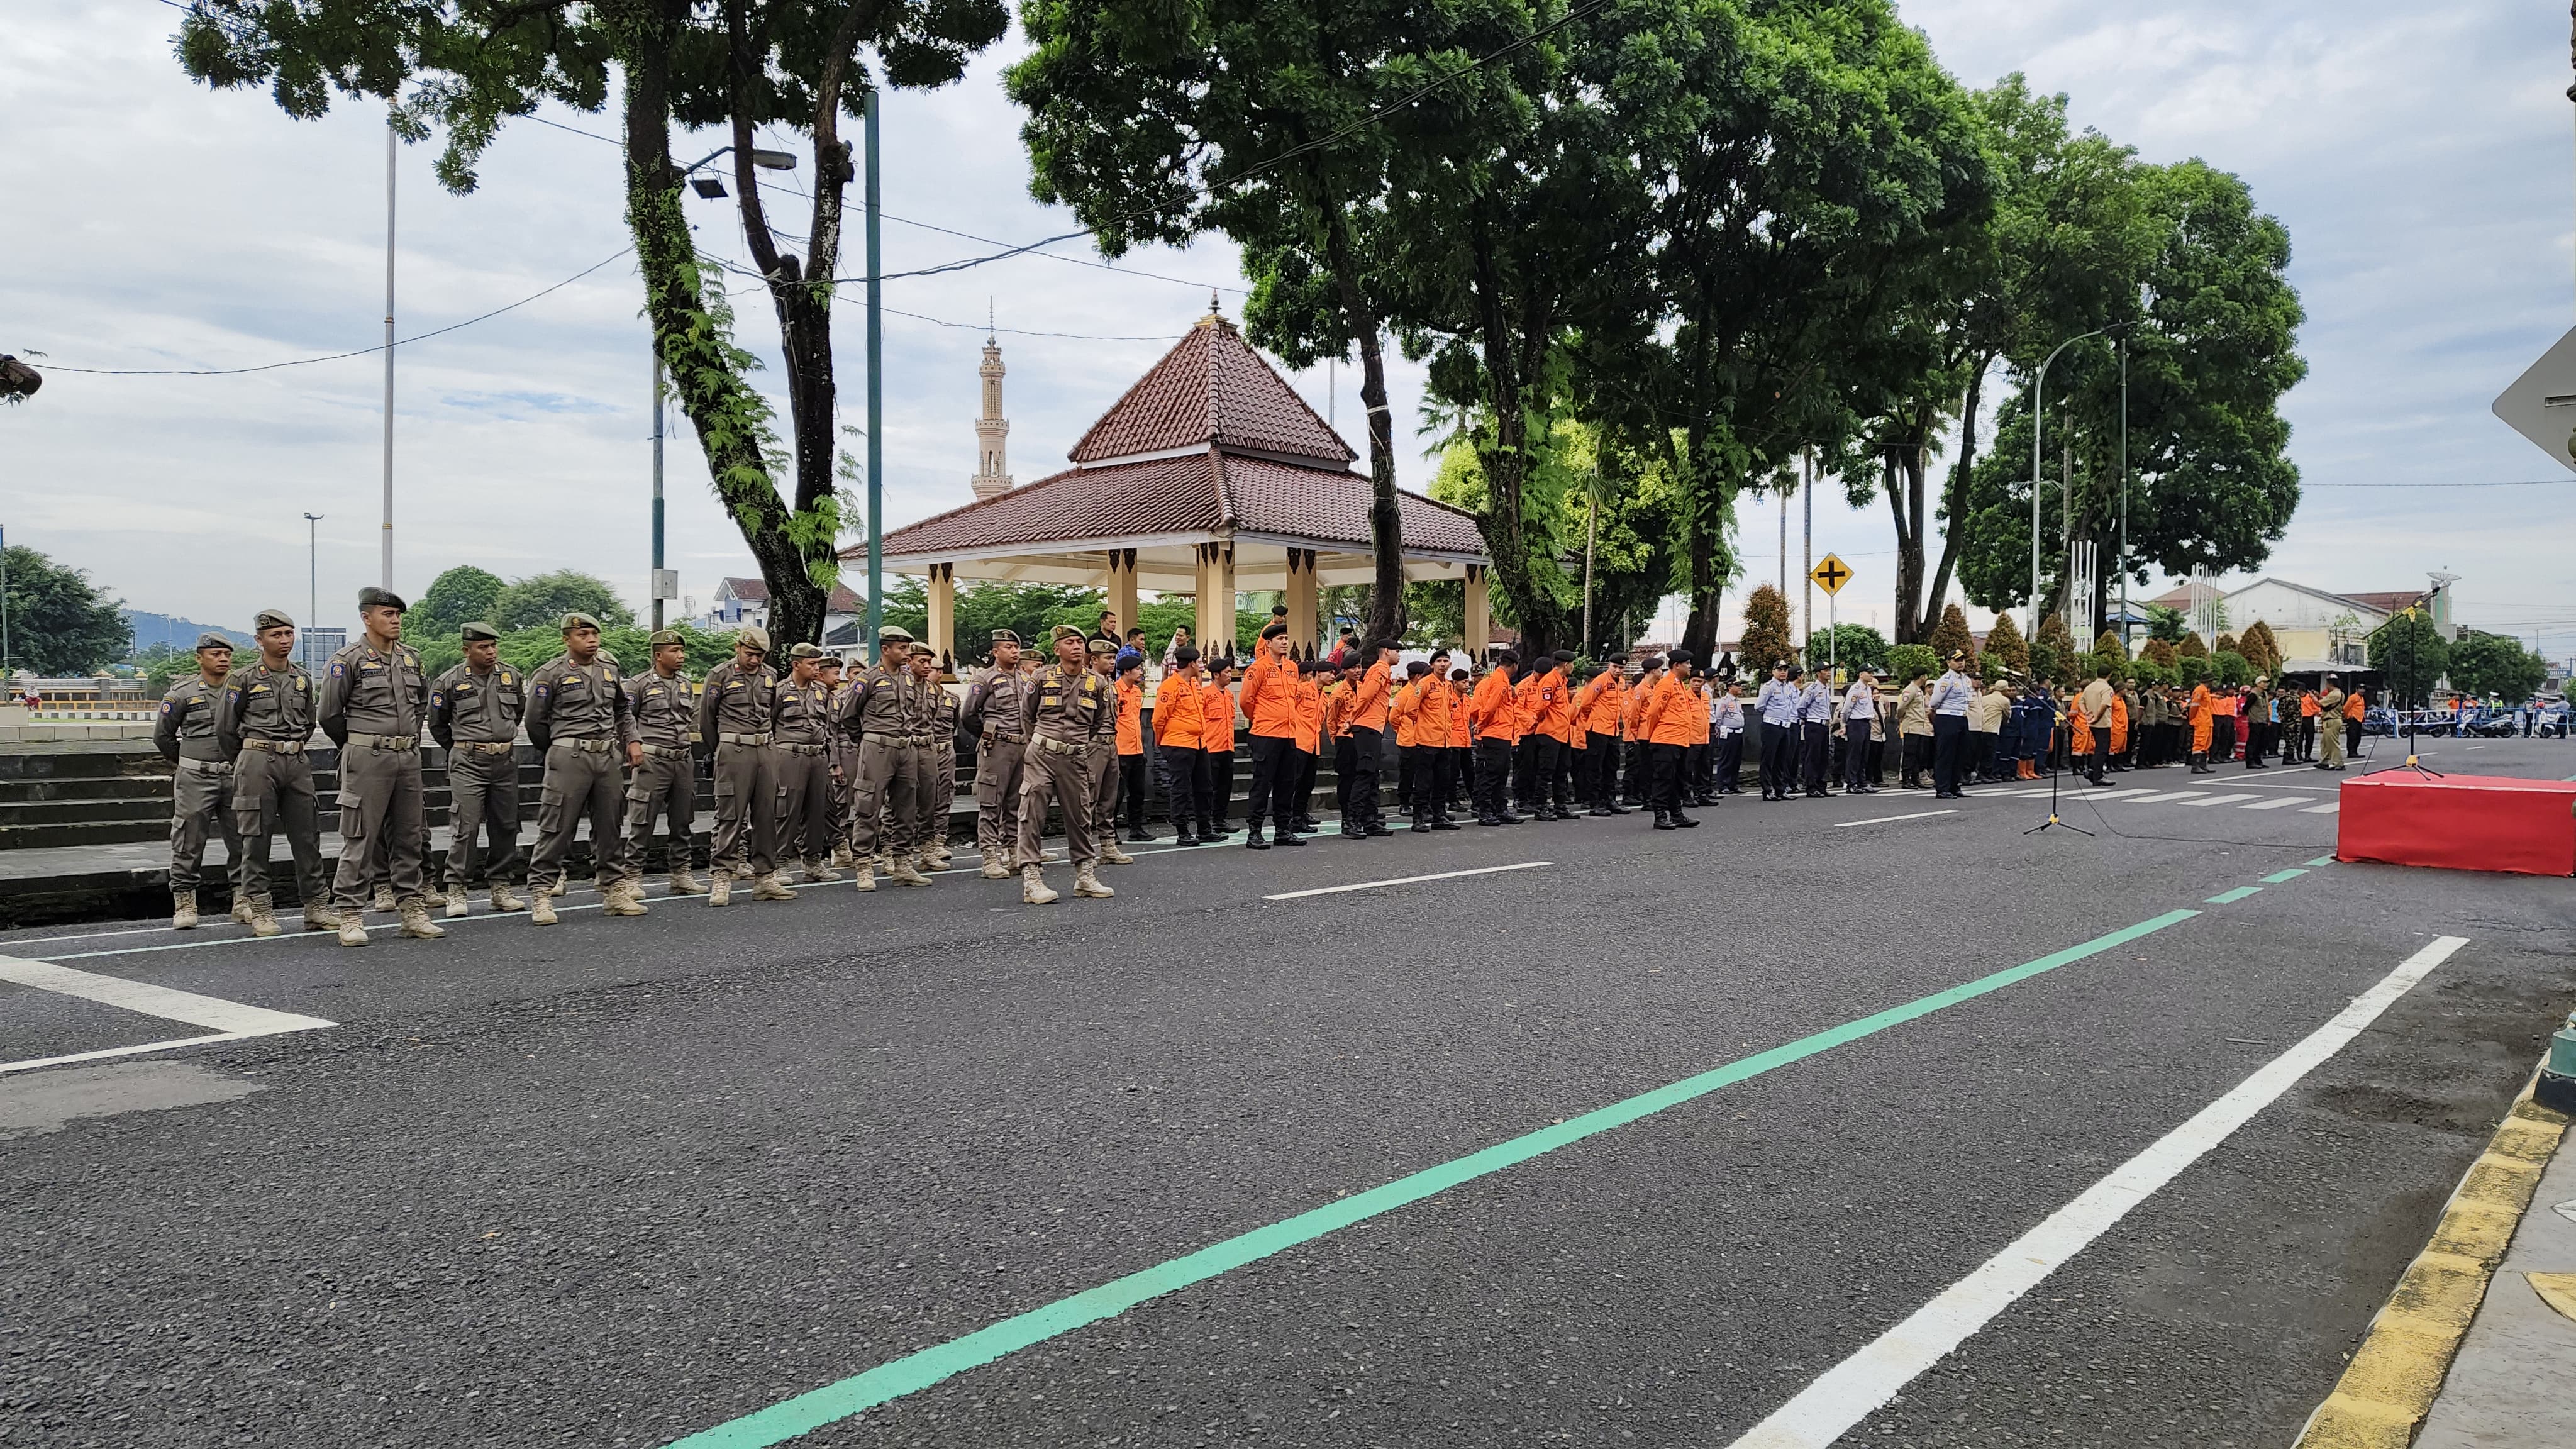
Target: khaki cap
[
  {"x": 477, "y": 629},
  {"x": 667, "y": 636},
  {"x": 805, "y": 651},
  {"x": 753, "y": 635},
  {"x": 576, "y": 620},
  {"x": 213, "y": 640},
  {"x": 271, "y": 619}
]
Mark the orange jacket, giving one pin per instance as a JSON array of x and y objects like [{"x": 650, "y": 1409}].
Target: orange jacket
[
  {"x": 1270, "y": 697},
  {"x": 1555, "y": 705},
  {"x": 1177, "y": 717},
  {"x": 1131, "y": 717},
  {"x": 1599, "y": 704},
  {"x": 1337, "y": 710},
  {"x": 2201, "y": 708},
  {"x": 1676, "y": 715},
  {"x": 2308, "y": 705},
  {"x": 2222, "y": 702},
  {"x": 1216, "y": 718},
  {"x": 1491, "y": 709},
  {"x": 1310, "y": 713},
  {"x": 1634, "y": 710},
  {"x": 1403, "y": 712},
  {"x": 1431, "y": 721},
  {"x": 1368, "y": 702},
  {"x": 1460, "y": 736},
  {"x": 2353, "y": 708},
  {"x": 2119, "y": 725},
  {"x": 1527, "y": 703}
]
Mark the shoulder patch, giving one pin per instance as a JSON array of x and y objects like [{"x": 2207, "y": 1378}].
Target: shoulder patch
[{"x": 338, "y": 669}]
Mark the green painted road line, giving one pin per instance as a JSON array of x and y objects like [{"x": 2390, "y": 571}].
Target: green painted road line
[
  {"x": 915, "y": 1372},
  {"x": 2322, "y": 860},
  {"x": 2224, "y": 898},
  {"x": 2278, "y": 876}
]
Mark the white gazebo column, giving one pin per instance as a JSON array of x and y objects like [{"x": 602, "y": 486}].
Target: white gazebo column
[
  {"x": 1480, "y": 618},
  {"x": 1302, "y": 598},
  {"x": 943, "y": 615},
  {"x": 1122, "y": 588}
]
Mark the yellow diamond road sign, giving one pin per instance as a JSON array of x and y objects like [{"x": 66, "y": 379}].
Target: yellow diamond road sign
[{"x": 1831, "y": 574}]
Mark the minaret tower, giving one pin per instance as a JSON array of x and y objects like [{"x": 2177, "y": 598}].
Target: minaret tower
[{"x": 991, "y": 480}]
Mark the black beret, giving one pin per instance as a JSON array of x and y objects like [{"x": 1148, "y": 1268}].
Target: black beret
[
  {"x": 1185, "y": 654},
  {"x": 1563, "y": 656},
  {"x": 373, "y": 598},
  {"x": 1678, "y": 656}
]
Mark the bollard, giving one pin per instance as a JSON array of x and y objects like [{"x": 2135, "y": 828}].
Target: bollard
[{"x": 2557, "y": 1085}]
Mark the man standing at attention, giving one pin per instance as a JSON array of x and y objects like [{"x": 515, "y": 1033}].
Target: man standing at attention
[
  {"x": 992, "y": 715},
  {"x": 2095, "y": 703},
  {"x": 733, "y": 722},
  {"x": 1176, "y": 746},
  {"x": 1860, "y": 712},
  {"x": 374, "y": 700},
  {"x": 474, "y": 713},
  {"x": 1778, "y": 705},
  {"x": 1675, "y": 716},
  {"x": 201, "y": 778},
  {"x": 1067, "y": 708},
  {"x": 665, "y": 782},
  {"x": 882, "y": 711},
  {"x": 1948, "y": 706},
  {"x": 262, "y": 727},
  {"x": 1490, "y": 714},
  {"x": 1269, "y": 701},
  {"x": 2330, "y": 735},
  {"x": 579, "y": 722}
]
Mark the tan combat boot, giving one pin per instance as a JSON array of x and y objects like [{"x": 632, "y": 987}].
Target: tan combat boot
[
  {"x": 506, "y": 899},
  {"x": 431, "y": 895},
  {"x": 997, "y": 867},
  {"x": 416, "y": 922},
  {"x": 625, "y": 899},
  {"x": 353, "y": 932},
  {"x": 719, "y": 888},
  {"x": 772, "y": 887},
  {"x": 456, "y": 904},
  {"x": 563, "y": 884},
  {"x": 905, "y": 873},
  {"x": 263, "y": 922},
  {"x": 817, "y": 872},
  {"x": 241, "y": 910},
  {"x": 1110, "y": 852},
  {"x": 842, "y": 857},
  {"x": 685, "y": 884},
  {"x": 1033, "y": 887},
  {"x": 183, "y": 910},
  {"x": 384, "y": 900},
  {"x": 318, "y": 915},
  {"x": 867, "y": 876},
  {"x": 541, "y": 908},
  {"x": 1085, "y": 883}
]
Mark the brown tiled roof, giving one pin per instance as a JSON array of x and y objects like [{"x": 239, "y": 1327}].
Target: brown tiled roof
[
  {"x": 1123, "y": 500},
  {"x": 1332, "y": 506},
  {"x": 1211, "y": 388},
  {"x": 756, "y": 591}
]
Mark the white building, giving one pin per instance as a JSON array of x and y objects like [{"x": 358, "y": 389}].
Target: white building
[
  {"x": 2312, "y": 625},
  {"x": 992, "y": 475}
]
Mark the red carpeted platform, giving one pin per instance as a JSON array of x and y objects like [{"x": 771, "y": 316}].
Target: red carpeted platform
[{"x": 2460, "y": 822}]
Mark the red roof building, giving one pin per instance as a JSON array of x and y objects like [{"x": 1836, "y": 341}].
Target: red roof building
[{"x": 1210, "y": 476}]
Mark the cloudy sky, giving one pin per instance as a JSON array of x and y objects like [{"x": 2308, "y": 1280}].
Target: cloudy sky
[{"x": 2420, "y": 155}]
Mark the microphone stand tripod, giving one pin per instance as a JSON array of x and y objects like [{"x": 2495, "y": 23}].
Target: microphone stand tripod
[{"x": 2053, "y": 821}]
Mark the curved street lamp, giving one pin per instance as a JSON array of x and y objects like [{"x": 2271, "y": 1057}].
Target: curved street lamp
[{"x": 2038, "y": 419}]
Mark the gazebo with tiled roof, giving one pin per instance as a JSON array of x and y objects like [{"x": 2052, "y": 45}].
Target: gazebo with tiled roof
[{"x": 1210, "y": 476}]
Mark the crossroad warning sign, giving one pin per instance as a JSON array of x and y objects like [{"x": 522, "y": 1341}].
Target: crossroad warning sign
[{"x": 1830, "y": 574}]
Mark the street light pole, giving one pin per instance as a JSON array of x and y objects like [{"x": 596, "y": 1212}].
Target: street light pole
[
  {"x": 2038, "y": 417},
  {"x": 876, "y": 384},
  {"x": 391, "y": 138},
  {"x": 312, "y": 581},
  {"x": 657, "y": 490},
  {"x": 2124, "y": 495}
]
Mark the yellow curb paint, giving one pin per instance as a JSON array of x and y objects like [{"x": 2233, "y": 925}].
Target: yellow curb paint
[
  {"x": 2394, "y": 1376},
  {"x": 2558, "y": 1290}
]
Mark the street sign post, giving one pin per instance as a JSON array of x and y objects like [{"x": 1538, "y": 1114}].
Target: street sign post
[
  {"x": 1830, "y": 574},
  {"x": 2541, "y": 404}
]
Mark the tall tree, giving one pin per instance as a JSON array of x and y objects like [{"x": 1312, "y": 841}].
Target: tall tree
[
  {"x": 458, "y": 596},
  {"x": 1157, "y": 122},
  {"x": 2411, "y": 654},
  {"x": 59, "y": 622},
  {"x": 2484, "y": 665},
  {"x": 469, "y": 66},
  {"x": 541, "y": 601}
]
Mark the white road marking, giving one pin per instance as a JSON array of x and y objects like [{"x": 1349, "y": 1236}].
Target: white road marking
[
  {"x": 1370, "y": 885},
  {"x": 1858, "y": 1386},
  {"x": 231, "y": 1020},
  {"x": 2159, "y": 799},
  {"x": 2221, "y": 800},
  {"x": 2273, "y": 804},
  {"x": 2328, "y": 808},
  {"x": 2121, "y": 794},
  {"x": 1883, "y": 819}
]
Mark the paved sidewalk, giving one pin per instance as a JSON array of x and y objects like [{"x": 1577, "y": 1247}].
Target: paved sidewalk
[{"x": 2513, "y": 1385}]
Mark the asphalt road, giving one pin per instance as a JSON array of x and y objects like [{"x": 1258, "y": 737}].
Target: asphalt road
[{"x": 622, "y": 1182}]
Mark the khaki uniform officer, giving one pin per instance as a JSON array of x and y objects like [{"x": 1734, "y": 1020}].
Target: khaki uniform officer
[
  {"x": 474, "y": 712},
  {"x": 800, "y": 729},
  {"x": 733, "y": 721},
  {"x": 263, "y": 725},
  {"x": 938, "y": 762},
  {"x": 845, "y": 760},
  {"x": 1102, "y": 762},
  {"x": 665, "y": 780},
  {"x": 992, "y": 713},
  {"x": 883, "y": 711},
  {"x": 1068, "y": 708},
  {"x": 578, "y": 719},
  {"x": 201, "y": 779},
  {"x": 374, "y": 700}
]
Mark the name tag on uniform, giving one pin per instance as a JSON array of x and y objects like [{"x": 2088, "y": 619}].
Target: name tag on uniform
[
  {"x": 464, "y": 689},
  {"x": 653, "y": 693},
  {"x": 259, "y": 689},
  {"x": 733, "y": 684},
  {"x": 370, "y": 664},
  {"x": 572, "y": 681}
]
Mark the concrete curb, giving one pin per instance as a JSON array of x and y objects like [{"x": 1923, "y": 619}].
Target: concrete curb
[{"x": 2389, "y": 1386}]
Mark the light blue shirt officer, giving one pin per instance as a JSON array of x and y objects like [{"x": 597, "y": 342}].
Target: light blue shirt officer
[{"x": 1777, "y": 703}]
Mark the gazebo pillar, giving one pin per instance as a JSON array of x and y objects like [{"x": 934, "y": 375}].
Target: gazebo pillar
[
  {"x": 1480, "y": 618},
  {"x": 1302, "y": 599},
  {"x": 943, "y": 614},
  {"x": 1216, "y": 599},
  {"x": 1122, "y": 588}
]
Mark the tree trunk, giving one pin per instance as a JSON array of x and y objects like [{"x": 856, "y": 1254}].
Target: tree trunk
[
  {"x": 729, "y": 416},
  {"x": 1955, "y": 499},
  {"x": 1708, "y": 502},
  {"x": 1506, "y": 463},
  {"x": 1901, "y": 477},
  {"x": 1386, "y": 517}
]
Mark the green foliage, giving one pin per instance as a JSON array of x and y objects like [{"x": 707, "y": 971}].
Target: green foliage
[
  {"x": 2493, "y": 665},
  {"x": 459, "y": 596},
  {"x": 543, "y": 600},
  {"x": 1912, "y": 661},
  {"x": 2150, "y": 672},
  {"x": 2166, "y": 624},
  {"x": 2411, "y": 655},
  {"x": 1159, "y": 618},
  {"x": 1853, "y": 646},
  {"x": 59, "y": 622},
  {"x": 2109, "y": 663},
  {"x": 2158, "y": 651},
  {"x": 2261, "y": 650},
  {"x": 1952, "y": 633},
  {"x": 165, "y": 662},
  {"x": 2225, "y": 643},
  {"x": 2191, "y": 670},
  {"x": 1766, "y": 633},
  {"x": 2233, "y": 669},
  {"x": 2048, "y": 659},
  {"x": 2191, "y": 648},
  {"x": 2006, "y": 647},
  {"x": 1025, "y": 609},
  {"x": 2108, "y": 642}
]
